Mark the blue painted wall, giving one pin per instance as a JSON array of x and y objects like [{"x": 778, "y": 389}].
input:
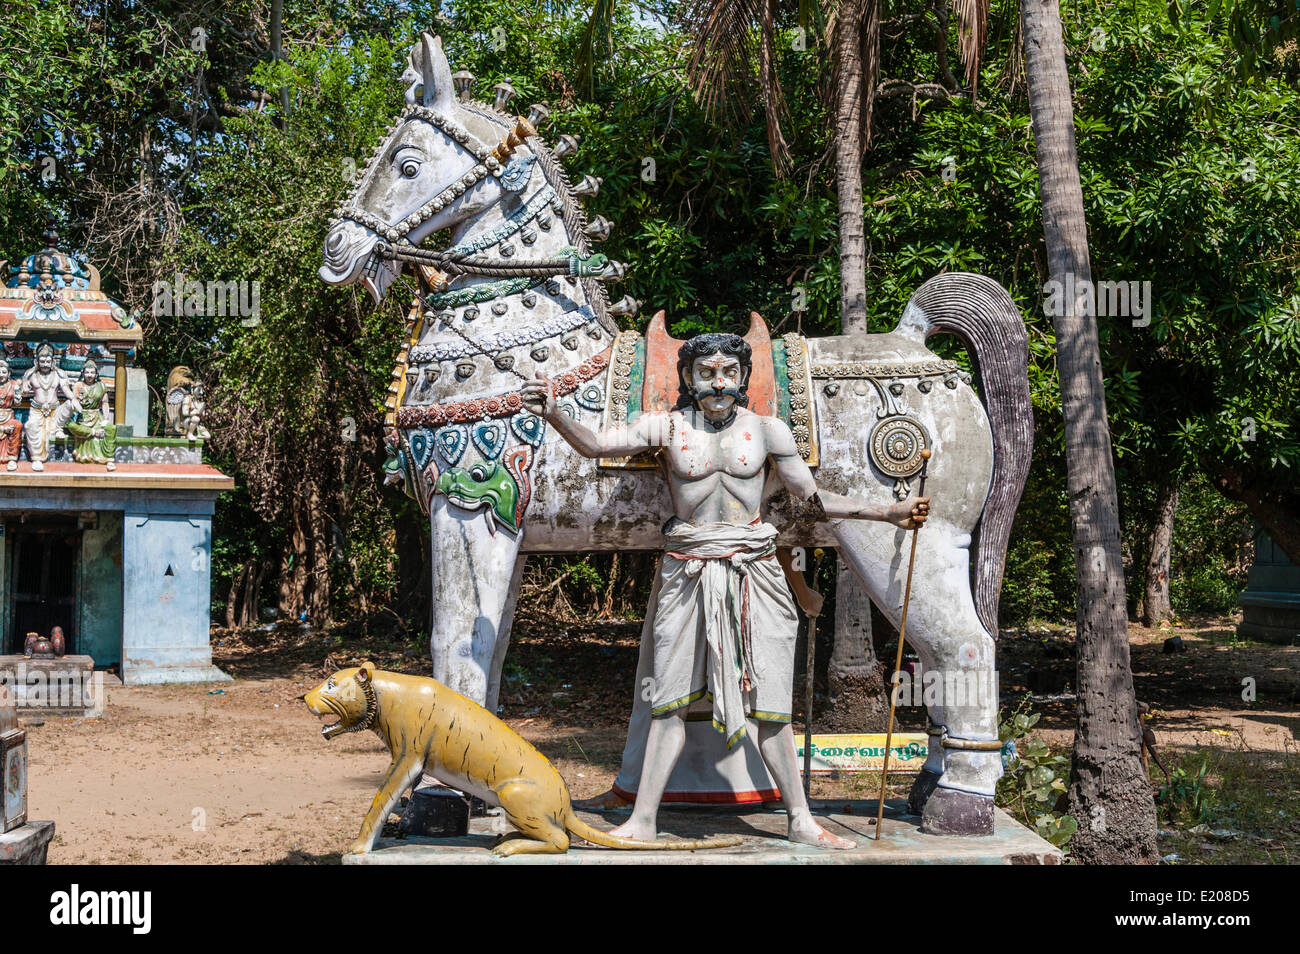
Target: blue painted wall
[{"x": 166, "y": 596}]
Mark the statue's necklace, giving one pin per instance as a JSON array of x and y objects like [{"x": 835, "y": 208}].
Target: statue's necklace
[{"x": 725, "y": 422}]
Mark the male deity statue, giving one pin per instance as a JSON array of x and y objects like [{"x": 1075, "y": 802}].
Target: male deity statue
[
  {"x": 191, "y": 414},
  {"x": 11, "y": 429},
  {"x": 725, "y": 623},
  {"x": 44, "y": 383}
]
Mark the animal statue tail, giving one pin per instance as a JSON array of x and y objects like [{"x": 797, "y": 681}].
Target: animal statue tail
[
  {"x": 576, "y": 826},
  {"x": 981, "y": 313}
]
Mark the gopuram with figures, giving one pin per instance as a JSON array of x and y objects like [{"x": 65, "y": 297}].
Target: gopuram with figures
[{"x": 105, "y": 502}]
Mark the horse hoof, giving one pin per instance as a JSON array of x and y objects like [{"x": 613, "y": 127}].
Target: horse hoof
[
  {"x": 922, "y": 789},
  {"x": 950, "y": 812}
]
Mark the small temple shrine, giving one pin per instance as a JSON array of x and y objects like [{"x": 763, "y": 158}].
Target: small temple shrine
[
  {"x": 105, "y": 527},
  {"x": 1270, "y": 606}
]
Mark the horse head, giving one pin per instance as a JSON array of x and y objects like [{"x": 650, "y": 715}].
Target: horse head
[{"x": 438, "y": 166}]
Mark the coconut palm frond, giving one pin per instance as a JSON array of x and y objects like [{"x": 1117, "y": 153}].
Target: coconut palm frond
[
  {"x": 870, "y": 67},
  {"x": 1013, "y": 73},
  {"x": 600, "y": 27},
  {"x": 972, "y": 33},
  {"x": 774, "y": 105},
  {"x": 812, "y": 16},
  {"x": 719, "y": 68}
]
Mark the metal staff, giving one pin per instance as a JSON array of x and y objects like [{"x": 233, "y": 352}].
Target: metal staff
[
  {"x": 808, "y": 688},
  {"x": 898, "y": 659}
]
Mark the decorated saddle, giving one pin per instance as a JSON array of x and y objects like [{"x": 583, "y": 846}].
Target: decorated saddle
[{"x": 642, "y": 379}]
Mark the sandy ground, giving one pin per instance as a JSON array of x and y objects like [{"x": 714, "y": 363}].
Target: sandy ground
[{"x": 238, "y": 773}]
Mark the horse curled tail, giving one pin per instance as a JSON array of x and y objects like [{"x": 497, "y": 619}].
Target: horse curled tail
[
  {"x": 980, "y": 312},
  {"x": 576, "y": 826}
]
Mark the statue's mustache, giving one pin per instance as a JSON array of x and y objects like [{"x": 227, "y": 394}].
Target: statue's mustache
[{"x": 702, "y": 393}]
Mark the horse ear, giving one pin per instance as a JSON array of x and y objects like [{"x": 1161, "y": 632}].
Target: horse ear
[{"x": 428, "y": 77}]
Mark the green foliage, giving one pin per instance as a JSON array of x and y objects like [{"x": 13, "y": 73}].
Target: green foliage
[
  {"x": 1212, "y": 551},
  {"x": 1033, "y": 786},
  {"x": 1186, "y": 797}
]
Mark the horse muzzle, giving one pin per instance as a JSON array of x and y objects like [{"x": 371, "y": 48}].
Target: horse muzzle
[{"x": 349, "y": 257}]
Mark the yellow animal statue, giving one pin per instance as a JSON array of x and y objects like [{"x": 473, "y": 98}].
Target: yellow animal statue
[{"x": 429, "y": 728}]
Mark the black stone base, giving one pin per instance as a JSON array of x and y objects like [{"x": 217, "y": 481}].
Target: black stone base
[
  {"x": 949, "y": 812},
  {"x": 922, "y": 789},
  {"x": 434, "y": 815}
]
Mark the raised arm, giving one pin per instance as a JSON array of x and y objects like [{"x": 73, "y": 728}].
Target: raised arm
[
  {"x": 798, "y": 479},
  {"x": 641, "y": 435}
]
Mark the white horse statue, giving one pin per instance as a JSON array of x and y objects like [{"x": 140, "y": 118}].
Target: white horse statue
[{"x": 519, "y": 293}]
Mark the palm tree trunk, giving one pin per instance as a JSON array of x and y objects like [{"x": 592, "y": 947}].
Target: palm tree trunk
[
  {"x": 1109, "y": 793},
  {"x": 857, "y": 699},
  {"x": 851, "y": 111}
]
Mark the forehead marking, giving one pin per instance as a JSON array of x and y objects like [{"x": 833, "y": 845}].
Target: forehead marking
[{"x": 717, "y": 361}]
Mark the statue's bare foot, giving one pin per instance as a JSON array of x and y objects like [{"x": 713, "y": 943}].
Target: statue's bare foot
[
  {"x": 112, "y": 466},
  {"x": 633, "y": 830},
  {"x": 37, "y": 466},
  {"x": 805, "y": 831},
  {"x": 602, "y": 802},
  {"x": 12, "y": 465}
]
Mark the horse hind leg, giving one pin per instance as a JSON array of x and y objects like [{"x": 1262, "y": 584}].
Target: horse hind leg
[
  {"x": 961, "y": 695},
  {"x": 958, "y": 682}
]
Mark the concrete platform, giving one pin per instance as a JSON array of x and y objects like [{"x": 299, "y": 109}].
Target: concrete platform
[
  {"x": 27, "y": 844},
  {"x": 901, "y": 844},
  {"x": 55, "y": 686}
]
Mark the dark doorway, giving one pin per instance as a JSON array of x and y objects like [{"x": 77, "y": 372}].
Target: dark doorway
[{"x": 43, "y": 581}]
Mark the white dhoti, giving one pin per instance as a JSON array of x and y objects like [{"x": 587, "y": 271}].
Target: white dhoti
[
  {"x": 718, "y": 641},
  {"x": 43, "y": 426}
]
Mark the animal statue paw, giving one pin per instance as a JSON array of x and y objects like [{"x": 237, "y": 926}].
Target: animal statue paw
[
  {"x": 359, "y": 847},
  {"x": 603, "y": 802}
]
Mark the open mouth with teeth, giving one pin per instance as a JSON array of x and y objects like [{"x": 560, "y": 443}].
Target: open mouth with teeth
[
  {"x": 331, "y": 729},
  {"x": 326, "y": 706}
]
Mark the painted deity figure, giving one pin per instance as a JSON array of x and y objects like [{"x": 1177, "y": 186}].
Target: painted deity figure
[
  {"x": 94, "y": 435},
  {"x": 11, "y": 429},
  {"x": 44, "y": 383},
  {"x": 191, "y": 414},
  {"x": 725, "y": 621}
]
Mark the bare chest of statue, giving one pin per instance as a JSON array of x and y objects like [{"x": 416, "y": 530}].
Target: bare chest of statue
[{"x": 716, "y": 475}]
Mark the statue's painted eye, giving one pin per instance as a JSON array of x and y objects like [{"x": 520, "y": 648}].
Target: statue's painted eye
[{"x": 409, "y": 168}]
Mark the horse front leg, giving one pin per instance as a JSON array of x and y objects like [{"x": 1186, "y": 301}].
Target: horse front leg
[{"x": 475, "y": 576}]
